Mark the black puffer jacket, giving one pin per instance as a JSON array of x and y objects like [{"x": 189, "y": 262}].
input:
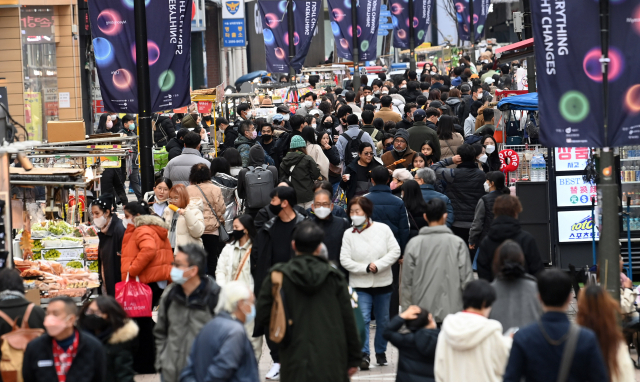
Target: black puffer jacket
[
  {"x": 503, "y": 228},
  {"x": 334, "y": 228},
  {"x": 165, "y": 131},
  {"x": 417, "y": 351},
  {"x": 174, "y": 147},
  {"x": 464, "y": 188}
]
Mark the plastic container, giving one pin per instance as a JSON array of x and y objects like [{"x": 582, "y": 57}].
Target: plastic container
[{"x": 538, "y": 167}]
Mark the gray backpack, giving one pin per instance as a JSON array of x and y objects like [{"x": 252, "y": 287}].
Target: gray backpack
[{"x": 258, "y": 183}]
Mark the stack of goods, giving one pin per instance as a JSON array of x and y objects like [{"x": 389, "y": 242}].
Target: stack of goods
[
  {"x": 65, "y": 244},
  {"x": 53, "y": 279},
  {"x": 160, "y": 159}
]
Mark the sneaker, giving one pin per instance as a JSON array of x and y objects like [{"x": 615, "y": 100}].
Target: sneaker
[
  {"x": 364, "y": 365},
  {"x": 131, "y": 191},
  {"x": 381, "y": 358},
  {"x": 274, "y": 373}
]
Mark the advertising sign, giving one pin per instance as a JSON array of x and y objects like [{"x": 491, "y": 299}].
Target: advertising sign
[
  {"x": 400, "y": 18},
  {"x": 574, "y": 191},
  {"x": 33, "y": 115},
  {"x": 169, "y": 47},
  {"x": 480, "y": 10},
  {"x": 576, "y": 226},
  {"x": 571, "y": 158},
  {"x": 368, "y": 15}
]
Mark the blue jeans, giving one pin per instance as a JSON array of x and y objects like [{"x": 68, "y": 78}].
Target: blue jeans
[
  {"x": 380, "y": 304},
  {"x": 475, "y": 259}
]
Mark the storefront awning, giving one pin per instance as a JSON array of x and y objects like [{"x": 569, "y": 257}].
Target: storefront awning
[{"x": 517, "y": 51}]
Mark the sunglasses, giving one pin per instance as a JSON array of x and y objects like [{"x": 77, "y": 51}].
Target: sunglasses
[{"x": 367, "y": 154}]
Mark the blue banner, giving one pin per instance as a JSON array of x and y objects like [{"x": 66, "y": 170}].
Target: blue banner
[
  {"x": 233, "y": 33},
  {"x": 480, "y": 10},
  {"x": 276, "y": 32},
  {"x": 168, "y": 43},
  {"x": 368, "y": 15},
  {"x": 400, "y": 17}
]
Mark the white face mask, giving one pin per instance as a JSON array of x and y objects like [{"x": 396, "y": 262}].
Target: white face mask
[
  {"x": 126, "y": 222},
  {"x": 100, "y": 222},
  {"x": 403, "y": 87},
  {"x": 385, "y": 92},
  {"x": 378, "y": 106},
  {"x": 308, "y": 104},
  {"x": 322, "y": 212},
  {"x": 479, "y": 95},
  {"x": 483, "y": 158},
  {"x": 489, "y": 149},
  {"x": 285, "y": 117},
  {"x": 314, "y": 125},
  {"x": 358, "y": 220},
  {"x": 486, "y": 187}
]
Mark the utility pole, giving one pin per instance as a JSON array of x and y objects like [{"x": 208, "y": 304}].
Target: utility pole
[
  {"x": 356, "y": 47},
  {"x": 292, "y": 48},
  {"x": 609, "y": 246},
  {"x": 528, "y": 33},
  {"x": 145, "y": 132},
  {"x": 472, "y": 34},
  {"x": 412, "y": 40}
]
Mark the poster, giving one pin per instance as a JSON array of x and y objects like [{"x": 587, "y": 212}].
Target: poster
[
  {"x": 400, "y": 18},
  {"x": 276, "y": 32},
  {"x": 573, "y": 191},
  {"x": 169, "y": 53},
  {"x": 33, "y": 115},
  {"x": 576, "y": 226},
  {"x": 368, "y": 16},
  {"x": 571, "y": 158},
  {"x": 480, "y": 11}
]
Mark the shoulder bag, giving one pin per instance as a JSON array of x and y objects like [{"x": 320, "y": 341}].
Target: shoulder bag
[{"x": 222, "y": 233}]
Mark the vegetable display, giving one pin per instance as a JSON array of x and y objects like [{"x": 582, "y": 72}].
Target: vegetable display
[
  {"x": 52, "y": 254},
  {"x": 75, "y": 264}
]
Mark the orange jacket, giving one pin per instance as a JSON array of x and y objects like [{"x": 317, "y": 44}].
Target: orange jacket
[{"x": 146, "y": 251}]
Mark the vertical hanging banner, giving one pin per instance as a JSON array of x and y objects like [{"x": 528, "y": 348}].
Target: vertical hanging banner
[
  {"x": 276, "y": 32},
  {"x": 400, "y": 18},
  {"x": 234, "y": 33},
  {"x": 168, "y": 43},
  {"x": 480, "y": 11},
  {"x": 368, "y": 16}
]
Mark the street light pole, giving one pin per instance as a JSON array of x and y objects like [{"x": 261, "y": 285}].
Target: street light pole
[
  {"x": 145, "y": 132},
  {"x": 609, "y": 246},
  {"x": 292, "y": 48},
  {"x": 472, "y": 35},
  {"x": 412, "y": 41},
  {"x": 356, "y": 50}
]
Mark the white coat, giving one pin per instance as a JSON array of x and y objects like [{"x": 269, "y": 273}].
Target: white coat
[
  {"x": 229, "y": 261},
  {"x": 190, "y": 226}
]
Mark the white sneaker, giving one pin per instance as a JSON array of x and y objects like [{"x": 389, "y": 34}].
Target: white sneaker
[{"x": 274, "y": 373}]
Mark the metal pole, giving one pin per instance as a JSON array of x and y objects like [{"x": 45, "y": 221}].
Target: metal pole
[
  {"x": 145, "y": 132},
  {"x": 292, "y": 48},
  {"x": 412, "y": 40},
  {"x": 528, "y": 33},
  {"x": 609, "y": 247},
  {"x": 472, "y": 35},
  {"x": 356, "y": 50},
  {"x": 6, "y": 245}
]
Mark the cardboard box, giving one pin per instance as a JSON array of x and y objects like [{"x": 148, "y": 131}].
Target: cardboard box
[
  {"x": 65, "y": 131},
  {"x": 33, "y": 295}
]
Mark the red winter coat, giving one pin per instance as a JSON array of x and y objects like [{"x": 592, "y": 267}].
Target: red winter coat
[{"x": 146, "y": 251}]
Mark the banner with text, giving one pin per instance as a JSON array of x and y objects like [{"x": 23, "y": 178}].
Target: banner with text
[
  {"x": 368, "y": 16},
  {"x": 400, "y": 17},
  {"x": 480, "y": 10},
  {"x": 276, "y": 32},
  {"x": 570, "y": 100},
  {"x": 168, "y": 44}
]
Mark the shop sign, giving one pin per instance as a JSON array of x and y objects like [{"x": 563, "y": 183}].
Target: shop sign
[
  {"x": 574, "y": 191},
  {"x": 37, "y": 25},
  {"x": 204, "y": 107},
  {"x": 575, "y": 226},
  {"x": 571, "y": 158}
]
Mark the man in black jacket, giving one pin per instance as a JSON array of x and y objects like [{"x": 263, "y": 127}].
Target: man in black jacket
[
  {"x": 505, "y": 226},
  {"x": 333, "y": 226},
  {"x": 175, "y": 145},
  {"x": 13, "y": 303},
  {"x": 407, "y": 118},
  {"x": 63, "y": 351}
]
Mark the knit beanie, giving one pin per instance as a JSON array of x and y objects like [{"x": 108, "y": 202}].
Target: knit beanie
[{"x": 297, "y": 141}]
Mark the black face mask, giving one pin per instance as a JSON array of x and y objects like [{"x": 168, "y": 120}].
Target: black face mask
[
  {"x": 207, "y": 118},
  {"x": 275, "y": 209},
  {"x": 266, "y": 137},
  {"x": 237, "y": 234},
  {"x": 95, "y": 323},
  {"x": 328, "y": 125}
]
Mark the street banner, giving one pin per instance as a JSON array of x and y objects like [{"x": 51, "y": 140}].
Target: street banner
[
  {"x": 480, "y": 10},
  {"x": 276, "y": 32},
  {"x": 168, "y": 44},
  {"x": 400, "y": 17},
  {"x": 570, "y": 81},
  {"x": 368, "y": 16}
]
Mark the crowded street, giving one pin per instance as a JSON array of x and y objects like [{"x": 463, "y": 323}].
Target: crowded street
[{"x": 311, "y": 191}]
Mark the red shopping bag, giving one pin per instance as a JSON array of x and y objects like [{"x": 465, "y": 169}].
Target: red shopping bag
[{"x": 135, "y": 297}]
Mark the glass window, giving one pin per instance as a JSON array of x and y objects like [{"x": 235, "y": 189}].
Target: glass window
[{"x": 40, "y": 69}]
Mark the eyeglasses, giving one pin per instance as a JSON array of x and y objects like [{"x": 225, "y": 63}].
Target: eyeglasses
[
  {"x": 328, "y": 205},
  {"x": 367, "y": 154}
]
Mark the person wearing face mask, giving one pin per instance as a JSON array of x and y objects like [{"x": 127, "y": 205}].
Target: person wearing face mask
[
  {"x": 105, "y": 124},
  {"x": 186, "y": 306},
  {"x": 105, "y": 319},
  {"x": 407, "y": 118},
  {"x": 319, "y": 302},
  {"x": 129, "y": 128},
  {"x": 401, "y": 150},
  {"x": 481, "y": 157},
  {"x": 307, "y": 103},
  {"x": 243, "y": 113},
  {"x": 63, "y": 353},
  {"x": 246, "y": 139},
  {"x": 333, "y": 226},
  {"x": 493, "y": 158},
  {"x": 110, "y": 246},
  {"x": 176, "y": 144},
  {"x": 159, "y": 197},
  {"x": 368, "y": 252}
]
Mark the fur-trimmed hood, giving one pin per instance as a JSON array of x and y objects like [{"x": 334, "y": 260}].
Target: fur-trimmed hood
[
  {"x": 126, "y": 333},
  {"x": 150, "y": 220}
]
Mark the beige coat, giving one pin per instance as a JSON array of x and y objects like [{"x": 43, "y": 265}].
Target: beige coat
[
  {"x": 214, "y": 195},
  {"x": 315, "y": 152},
  {"x": 388, "y": 115},
  {"x": 190, "y": 226},
  {"x": 449, "y": 147}
]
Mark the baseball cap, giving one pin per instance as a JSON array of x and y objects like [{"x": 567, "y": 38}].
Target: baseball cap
[
  {"x": 278, "y": 117},
  {"x": 419, "y": 113},
  {"x": 438, "y": 105}
]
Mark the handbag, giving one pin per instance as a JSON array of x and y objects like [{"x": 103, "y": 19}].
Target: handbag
[
  {"x": 242, "y": 262},
  {"x": 134, "y": 297},
  {"x": 222, "y": 233}
]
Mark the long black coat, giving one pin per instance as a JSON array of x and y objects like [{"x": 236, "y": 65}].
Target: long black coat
[
  {"x": 417, "y": 351},
  {"x": 108, "y": 249},
  {"x": 111, "y": 183},
  {"x": 88, "y": 365}
]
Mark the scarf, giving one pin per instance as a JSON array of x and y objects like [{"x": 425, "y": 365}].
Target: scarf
[
  {"x": 362, "y": 227},
  {"x": 63, "y": 359},
  {"x": 10, "y": 295}
]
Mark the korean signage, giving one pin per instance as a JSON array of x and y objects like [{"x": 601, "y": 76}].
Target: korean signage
[
  {"x": 233, "y": 28},
  {"x": 571, "y": 158},
  {"x": 574, "y": 191},
  {"x": 36, "y": 25},
  {"x": 576, "y": 226}
]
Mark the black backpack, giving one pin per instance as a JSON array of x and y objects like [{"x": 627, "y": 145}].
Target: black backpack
[
  {"x": 458, "y": 111},
  {"x": 351, "y": 149}
]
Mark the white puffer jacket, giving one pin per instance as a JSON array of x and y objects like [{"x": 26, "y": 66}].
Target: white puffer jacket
[
  {"x": 190, "y": 226},
  {"x": 229, "y": 261}
]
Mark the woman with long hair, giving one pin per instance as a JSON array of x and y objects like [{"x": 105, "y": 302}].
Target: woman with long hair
[
  {"x": 221, "y": 173},
  {"x": 159, "y": 197},
  {"x": 517, "y": 303},
  {"x": 232, "y": 155},
  {"x": 434, "y": 94},
  {"x": 186, "y": 223},
  {"x": 415, "y": 205},
  {"x": 599, "y": 312},
  {"x": 450, "y": 140},
  {"x": 105, "y": 124},
  {"x": 356, "y": 179},
  {"x": 331, "y": 152},
  {"x": 315, "y": 151},
  {"x": 420, "y": 161},
  {"x": 110, "y": 244},
  {"x": 491, "y": 149},
  {"x": 427, "y": 150},
  {"x": 494, "y": 186}
]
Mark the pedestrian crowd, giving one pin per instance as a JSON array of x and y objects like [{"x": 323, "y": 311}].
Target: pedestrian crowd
[{"x": 371, "y": 204}]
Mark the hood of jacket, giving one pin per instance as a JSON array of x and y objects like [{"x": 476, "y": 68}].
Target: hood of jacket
[
  {"x": 242, "y": 140},
  {"x": 464, "y": 331},
  {"x": 504, "y": 227},
  {"x": 126, "y": 333},
  {"x": 256, "y": 156},
  {"x": 453, "y": 101},
  {"x": 293, "y": 158},
  {"x": 307, "y": 273},
  {"x": 201, "y": 298},
  {"x": 154, "y": 222},
  {"x": 174, "y": 142}
]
